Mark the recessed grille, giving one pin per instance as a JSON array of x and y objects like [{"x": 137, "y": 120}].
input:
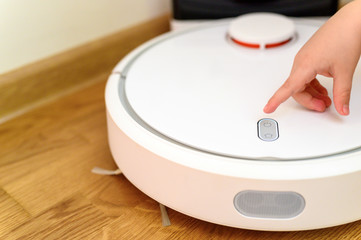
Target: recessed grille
[{"x": 267, "y": 204}]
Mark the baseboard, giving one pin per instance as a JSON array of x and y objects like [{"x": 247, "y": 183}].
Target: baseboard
[{"x": 44, "y": 79}]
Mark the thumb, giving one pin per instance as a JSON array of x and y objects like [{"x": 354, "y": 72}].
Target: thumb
[{"x": 341, "y": 93}]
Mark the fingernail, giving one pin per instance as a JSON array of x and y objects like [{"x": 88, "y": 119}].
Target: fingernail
[{"x": 346, "y": 109}]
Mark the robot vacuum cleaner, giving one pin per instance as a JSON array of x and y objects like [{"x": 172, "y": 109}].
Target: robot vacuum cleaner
[{"x": 186, "y": 127}]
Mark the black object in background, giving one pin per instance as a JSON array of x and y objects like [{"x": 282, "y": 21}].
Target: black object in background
[{"x": 214, "y": 9}]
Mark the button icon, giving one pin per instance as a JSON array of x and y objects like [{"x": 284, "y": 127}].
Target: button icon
[
  {"x": 268, "y": 135},
  {"x": 267, "y": 124}
]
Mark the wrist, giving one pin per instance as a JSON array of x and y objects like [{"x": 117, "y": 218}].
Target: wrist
[{"x": 351, "y": 12}]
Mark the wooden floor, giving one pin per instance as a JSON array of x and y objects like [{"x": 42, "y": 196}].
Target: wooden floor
[{"x": 48, "y": 191}]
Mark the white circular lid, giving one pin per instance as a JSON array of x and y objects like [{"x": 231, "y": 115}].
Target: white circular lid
[
  {"x": 261, "y": 29},
  {"x": 201, "y": 90}
]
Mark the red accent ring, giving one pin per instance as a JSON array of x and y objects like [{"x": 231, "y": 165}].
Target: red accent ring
[
  {"x": 249, "y": 45},
  {"x": 272, "y": 45},
  {"x": 255, "y": 45}
]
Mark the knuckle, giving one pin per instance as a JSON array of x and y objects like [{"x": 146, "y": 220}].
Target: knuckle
[
  {"x": 288, "y": 87},
  {"x": 343, "y": 93}
]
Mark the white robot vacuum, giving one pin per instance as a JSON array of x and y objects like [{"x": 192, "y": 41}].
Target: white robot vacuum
[{"x": 186, "y": 127}]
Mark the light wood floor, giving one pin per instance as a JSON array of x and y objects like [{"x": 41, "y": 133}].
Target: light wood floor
[{"x": 48, "y": 192}]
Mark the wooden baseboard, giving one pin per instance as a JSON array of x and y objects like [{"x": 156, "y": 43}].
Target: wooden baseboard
[{"x": 43, "y": 79}]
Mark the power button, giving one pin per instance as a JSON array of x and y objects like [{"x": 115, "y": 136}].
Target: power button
[{"x": 267, "y": 129}]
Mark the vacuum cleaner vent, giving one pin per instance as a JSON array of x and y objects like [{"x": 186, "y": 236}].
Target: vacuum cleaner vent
[{"x": 262, "y": 204}]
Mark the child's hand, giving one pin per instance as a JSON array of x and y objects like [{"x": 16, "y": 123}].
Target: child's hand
[{"x": 333, "y": 51}]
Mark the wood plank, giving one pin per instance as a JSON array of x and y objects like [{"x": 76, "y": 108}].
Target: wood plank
[
  {"x": 41, "y": 168},
  {"x": 74, "y": 218},
  {"x": 12, "y": 214},
  {"x": 29, "y": 84},
  {"x": 36, "y": 140}
]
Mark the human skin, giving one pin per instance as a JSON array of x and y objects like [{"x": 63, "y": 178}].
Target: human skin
[{"x": 333, "y": 51}]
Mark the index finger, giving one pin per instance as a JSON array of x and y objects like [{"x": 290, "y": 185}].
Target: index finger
[
  {"x": 296, "y": 82},
  {"x": 281, "y": 95}
]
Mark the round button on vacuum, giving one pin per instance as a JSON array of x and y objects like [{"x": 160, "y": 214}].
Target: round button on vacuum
[{"x": 261, "y": 30}]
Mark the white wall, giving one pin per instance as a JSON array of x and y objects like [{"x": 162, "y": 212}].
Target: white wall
[{"x": 34, "y": 29}]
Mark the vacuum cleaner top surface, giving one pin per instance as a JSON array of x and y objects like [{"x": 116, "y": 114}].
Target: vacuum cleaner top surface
[{"x": 203, "y": 90}]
